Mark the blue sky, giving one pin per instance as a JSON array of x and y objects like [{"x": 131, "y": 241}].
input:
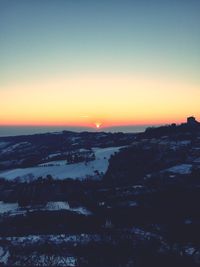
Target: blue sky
[
  {"x": 40, "y": 39},
  {"x": 53, "y": 36}
]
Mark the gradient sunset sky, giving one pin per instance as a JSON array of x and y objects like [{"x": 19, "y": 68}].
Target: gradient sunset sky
[{"x": 81, "y": 62}]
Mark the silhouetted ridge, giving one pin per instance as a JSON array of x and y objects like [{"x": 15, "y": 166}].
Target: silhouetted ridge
[{"x": 192, "y": 126}]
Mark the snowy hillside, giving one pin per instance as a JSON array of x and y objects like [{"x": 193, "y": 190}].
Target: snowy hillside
[
  {"x": 80, "y": 170},
  {"x": 15, "y": 209}
]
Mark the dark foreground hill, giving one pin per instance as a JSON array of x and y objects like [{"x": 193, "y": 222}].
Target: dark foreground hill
[{"x": 143, "y": 212}]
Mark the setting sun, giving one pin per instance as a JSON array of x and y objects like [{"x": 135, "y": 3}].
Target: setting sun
[{"x": 98, "y": 124}]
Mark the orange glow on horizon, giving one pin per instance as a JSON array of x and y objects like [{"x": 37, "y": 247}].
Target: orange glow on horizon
[
  {"x": 98, "y": 126},
  {"x": 110, "y": 100}
]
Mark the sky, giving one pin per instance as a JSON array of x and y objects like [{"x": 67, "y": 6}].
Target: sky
[{"x": 106, "y": 63}]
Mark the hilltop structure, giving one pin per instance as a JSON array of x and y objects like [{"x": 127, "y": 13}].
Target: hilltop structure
[{"x": 191, "y": 121}]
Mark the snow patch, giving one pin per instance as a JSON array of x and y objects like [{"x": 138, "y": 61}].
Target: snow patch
[
  {"x": 60, "y": 205},
  {"x": 181, "y": 169},
  {"x": 4, "y": 255},
  {"x": 81, "y": 170},
  {"x": 8, "y": 207},
  {"x": 14, "y": 209},
  {"x": 54, "y": 155},
  {"x": 12, "y": 148}
]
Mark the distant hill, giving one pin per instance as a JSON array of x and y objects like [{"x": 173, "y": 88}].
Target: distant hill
[{"x": 192, "y": 126}]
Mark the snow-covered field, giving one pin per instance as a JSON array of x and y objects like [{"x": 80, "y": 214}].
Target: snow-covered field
[
  {"x": 80, "y": 170},
  {"x": 43, "y": 259},
  {"x": 60, "y": 205},
  {"x": 14, "y": 208},
  {"x": 181, "y": 169},
  {"x": 8, "y": 207},
  {"x": 56, "y": 239}
]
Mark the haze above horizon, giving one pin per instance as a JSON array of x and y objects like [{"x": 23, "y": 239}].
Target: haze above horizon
[{"x": 99, "y": 63}]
